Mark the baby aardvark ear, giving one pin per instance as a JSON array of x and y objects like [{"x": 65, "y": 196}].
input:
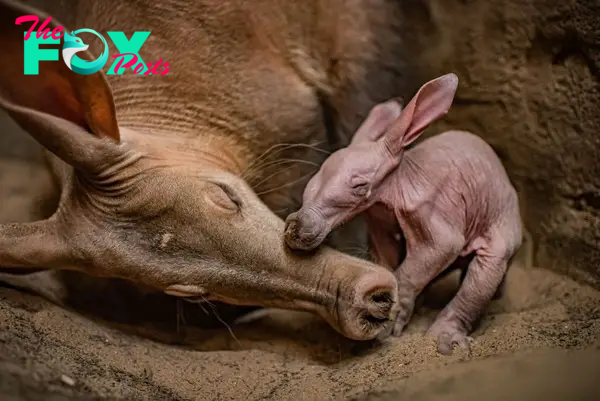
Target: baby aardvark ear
[
  {"x": 432, "y": 101},
  {"x": 380, "y": 119}
]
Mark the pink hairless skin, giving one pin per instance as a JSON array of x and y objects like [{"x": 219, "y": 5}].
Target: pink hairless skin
[{"x": 449, "y": 197}]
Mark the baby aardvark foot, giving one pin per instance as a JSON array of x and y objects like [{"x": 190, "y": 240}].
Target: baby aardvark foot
[
  {"x": 406, "y": 306},
  {"x": 448, "y": 335}
]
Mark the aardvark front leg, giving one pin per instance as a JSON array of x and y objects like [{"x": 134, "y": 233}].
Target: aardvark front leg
[
  {"x": 384, "y": 237},
  {"x": 483, "y": 278},
  {"x": 384, "y": 248},
  {"x": 423, "y": 263}
]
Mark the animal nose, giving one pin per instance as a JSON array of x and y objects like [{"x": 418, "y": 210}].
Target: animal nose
[
  {"x": 375, "y": 301},
  {"x": 302, "y": 230}
]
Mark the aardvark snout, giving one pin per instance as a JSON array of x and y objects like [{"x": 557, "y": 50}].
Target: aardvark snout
[
  {"x": 373, "y": 311},
  {"x": 304, "y": 230}
]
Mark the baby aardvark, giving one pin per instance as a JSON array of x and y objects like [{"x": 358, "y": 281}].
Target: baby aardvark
[{"x": 449, "y": 196}]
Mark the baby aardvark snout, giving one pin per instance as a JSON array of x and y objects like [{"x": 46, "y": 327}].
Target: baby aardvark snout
[
  {"x": 304, "y": 230},
  {"x": 374, "y": 307}
]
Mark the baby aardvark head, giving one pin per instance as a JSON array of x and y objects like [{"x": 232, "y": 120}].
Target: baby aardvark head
[{"x": 351, "y": 179}]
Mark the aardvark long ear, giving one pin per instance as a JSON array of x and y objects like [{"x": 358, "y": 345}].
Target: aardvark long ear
[
  {"x": 432, "y": 101},
  {"x": 68, "y": 113},
  {"x": 379, "y": 120}
]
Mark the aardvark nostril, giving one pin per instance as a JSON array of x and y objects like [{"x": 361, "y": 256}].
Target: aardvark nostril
[
  {"x": 292, "y": 231},
  {"x": 370, "y": 309},
  {"x": 377, "y": 292},
  {"x": 291, "y": 222},
  {"x": 378, "y": 307}
]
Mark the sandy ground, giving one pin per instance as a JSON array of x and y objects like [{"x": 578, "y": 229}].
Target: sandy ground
[{"x": 541, "y": 341}]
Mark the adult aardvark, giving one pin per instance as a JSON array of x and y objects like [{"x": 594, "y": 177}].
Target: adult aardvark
[{"x": 168, "y": 181}]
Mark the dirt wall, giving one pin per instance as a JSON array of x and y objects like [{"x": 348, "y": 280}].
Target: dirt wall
[{"x": 530, "y": 85}]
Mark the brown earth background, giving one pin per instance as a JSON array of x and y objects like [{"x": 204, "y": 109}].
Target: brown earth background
[{"x": 529, "y": 84}]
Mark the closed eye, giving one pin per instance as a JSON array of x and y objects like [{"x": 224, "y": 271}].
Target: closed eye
[
  {"x": 230, "y": 193},
  {"x": 358, "y": 180},
  {"x": 360, "y": 188}
]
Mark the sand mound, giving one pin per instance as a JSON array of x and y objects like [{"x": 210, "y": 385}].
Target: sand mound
[{"x": 292, "y": 356}]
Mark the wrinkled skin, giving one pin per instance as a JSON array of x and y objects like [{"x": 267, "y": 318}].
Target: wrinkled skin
[
  {"x": 449, "y": 196},
  {"x": 152, "y": 169}
]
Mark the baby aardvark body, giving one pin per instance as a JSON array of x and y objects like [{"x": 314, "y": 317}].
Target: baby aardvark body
[{"x": 449, "y": 196}]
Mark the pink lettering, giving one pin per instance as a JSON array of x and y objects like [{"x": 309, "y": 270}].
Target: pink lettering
[
  {"x": 138, "y": 68},
  {"x": 28, "y": 18},
  {"x": 43, "y": 30},
  {"x": 156, "y": 65},
  {"x": 57, "y": 32},
  {"x": 130, "y": 63},
  {"x": 166, "y": 69},
  {"x": 149, "y": 71}
]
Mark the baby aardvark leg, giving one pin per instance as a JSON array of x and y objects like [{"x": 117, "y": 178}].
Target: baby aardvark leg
[
  {"x": 384, "y": 237},
  {"x": 483, "y": 278},
  {"x": 501, "y": 288},
  {"x": 422, "y": 264},
  {"x": 384, "y": 248}
]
